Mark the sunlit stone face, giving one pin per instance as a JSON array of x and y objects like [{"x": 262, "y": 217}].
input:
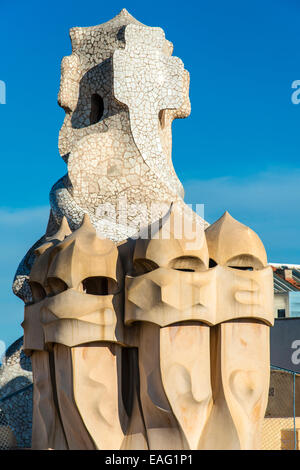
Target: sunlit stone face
[
  {"x": 244, "y": 282},
  {"x": 166, "y": 296},
  {"x": 169, "y": 282},
  {"x": 77, "y": 290},
  {"x": 172, "y": 284}
]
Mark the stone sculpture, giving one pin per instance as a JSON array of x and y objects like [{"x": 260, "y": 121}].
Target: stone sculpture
[{"x": 145, "y": 330}]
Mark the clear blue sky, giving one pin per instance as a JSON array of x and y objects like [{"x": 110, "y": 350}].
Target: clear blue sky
[{"x": 239, "y": 149}]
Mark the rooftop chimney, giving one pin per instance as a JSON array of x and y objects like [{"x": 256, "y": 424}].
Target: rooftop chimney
[{"x": 288, "y": 274}]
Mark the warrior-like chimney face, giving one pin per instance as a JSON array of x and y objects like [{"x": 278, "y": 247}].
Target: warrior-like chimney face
[
  {"x": 232, "y": 244},
  {"x": 170, "y": 282},
  {"x": 76, "y": 284}
]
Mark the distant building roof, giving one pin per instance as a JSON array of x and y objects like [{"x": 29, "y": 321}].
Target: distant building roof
[{"x": 286, "y": 277}]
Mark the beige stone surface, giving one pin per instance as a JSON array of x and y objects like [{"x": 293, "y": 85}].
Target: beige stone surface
[
  {"x": 34, "y": 337},
  {"x": 219, "y": 420},
  {"x": 185, "y": 371},
  {"x": 97, "y": 392},
  {"x": 163, "y": 431},
  {"x": 136, "y": 435},
  {"x": 47, "y": 430},
  {"x": 240, "y": 382},
  {"x": 75, "y": 430},
  {"x": 245, "y": 356}
]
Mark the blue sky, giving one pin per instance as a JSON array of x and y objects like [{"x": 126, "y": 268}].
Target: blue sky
[{"x": 238, "y": 151}]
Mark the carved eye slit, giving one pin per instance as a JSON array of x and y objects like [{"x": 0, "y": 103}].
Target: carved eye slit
[
  {"x": 38, "y": 291},
  {"x": 187, "y": 264},
  {"x": 143, "y": 266},
  {"x": 242, "y": 268},
  {"x": 245, "y": 263},
  {"x": 56, "y": 286},
  {"x": 99, "y": 285},
  {"x": 97, "y": 108}
]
